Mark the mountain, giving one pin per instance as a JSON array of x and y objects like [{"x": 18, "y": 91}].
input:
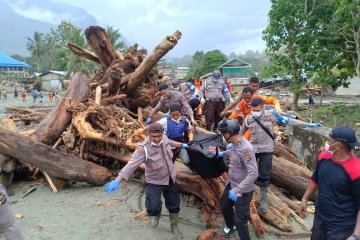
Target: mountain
[{"x": 15, "y": 29}]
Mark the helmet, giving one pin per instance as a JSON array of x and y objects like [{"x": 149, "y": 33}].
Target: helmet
[
  {"x": 216, "y": 74},
  {"x": 163, "y": 86},
  {"x": 229, "y": 126}
]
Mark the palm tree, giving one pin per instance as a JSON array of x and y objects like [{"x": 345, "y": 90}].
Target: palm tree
[
  {"x": 114, "y": 36},
  {"x": 36, "y": 47}
]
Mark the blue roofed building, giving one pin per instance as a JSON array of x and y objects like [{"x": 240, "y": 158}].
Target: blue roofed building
[{"x": 11, "y": 66}]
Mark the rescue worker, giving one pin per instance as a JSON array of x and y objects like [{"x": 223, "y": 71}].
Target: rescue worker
[
  {"x": 214, "y": 90},
  {"x": 176, "y": 128},
  {"x": 198, "y": 82},
  {"x": 261, "y": 123},
  {"x": 190, "y": 92},
  {"x": 160, "y": 175},
  {"x": 254, "y": 85},
  {"x": 337, "y": 180},
  {"x": 8, "y": 223},
  {"x": 242, "y": 173},
  {"x": 169, "y": 97},
  {"x": 243, "y": 109}
]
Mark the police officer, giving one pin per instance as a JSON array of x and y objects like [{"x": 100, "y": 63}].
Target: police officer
[
  {"x": 242, "y": 172},
  {"x": 8, "y": 224},
  {"x": 169, "y": 97},
  {"x": 212, "y": 92},
  {"x": 261, "y": 123},
  {"x": 190, "y": 92},
  {"x": 160, "y": 175},
  {"x": 176, "y": 128}
]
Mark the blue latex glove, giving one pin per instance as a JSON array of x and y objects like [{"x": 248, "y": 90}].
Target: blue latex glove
[
  {"x": 148, "y": 121},
  {"x": 112, "y": 186},
  {"x": 220, "y": 154},
  {"x": 314, "y": 125},
  {"x": 167, "y": 114},
  {"x": 232, "y": 195},
  {"x": 281, "y": 118},
  {"x": 229, "y": 146},
  {"x": 185, "y": 146},
  {"x": 194, "y": 96}
]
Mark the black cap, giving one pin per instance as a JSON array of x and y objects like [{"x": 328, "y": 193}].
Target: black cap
[
  {"x": 163, "y": 86},
  {"x": 156, "y": 128},
  {"x": 175, "y": 107},
  {"x": 347, "y": 135}
]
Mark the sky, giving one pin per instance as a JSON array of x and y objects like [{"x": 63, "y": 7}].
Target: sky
[{"x": 228, "y": 25}]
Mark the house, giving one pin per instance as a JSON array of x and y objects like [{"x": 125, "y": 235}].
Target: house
[
  {"x": 166, "y": 70},
  {"x": 181, "y": 72},
  {"x": 237, "y": 72},
  {"x": 11, "y": 66},
  {"x": 53, "y": 80}
]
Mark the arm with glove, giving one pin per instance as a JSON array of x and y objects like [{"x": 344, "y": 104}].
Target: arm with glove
[
  {"x": 137, "y": 158},
  {"x": 293, "y": 122}
]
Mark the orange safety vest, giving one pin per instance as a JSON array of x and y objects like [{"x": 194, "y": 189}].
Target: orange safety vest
[{"x": 197, "y": 83}]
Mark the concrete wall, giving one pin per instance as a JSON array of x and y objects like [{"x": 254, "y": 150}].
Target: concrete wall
[{"x": 308, "y": 143}]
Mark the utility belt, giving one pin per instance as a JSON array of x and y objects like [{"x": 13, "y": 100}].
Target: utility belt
[{"x": 214, "y": 100}]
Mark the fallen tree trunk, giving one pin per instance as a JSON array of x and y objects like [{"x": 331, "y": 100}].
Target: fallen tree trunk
[
  {"x": 53, "y": 125},
  {"x": 280, "y": 150},
  {"x": 82, "y": 52},
  {"x": 290, "y": 176},
  {"x": 133, "y": 80},
  {"x": 56, "y": 163}
]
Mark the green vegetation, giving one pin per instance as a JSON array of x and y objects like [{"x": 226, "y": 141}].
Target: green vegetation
[
  {"x": 319, "y": 36},
  {"x": 50, "y": 52},
  {"x": 335, "y": 115}
]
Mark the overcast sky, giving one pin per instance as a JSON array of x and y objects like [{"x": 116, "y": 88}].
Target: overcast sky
[{"x": 231, "y": 25}]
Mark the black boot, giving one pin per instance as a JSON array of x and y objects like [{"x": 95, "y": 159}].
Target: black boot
[{"x": 208, "y": 127}]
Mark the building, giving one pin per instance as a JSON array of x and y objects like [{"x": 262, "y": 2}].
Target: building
[
  {"x": 11, "y": 66},
  {"x": 53, "y": 80},
  {"x": 237, "y": 72},
  {"x": 181, "y": 72},
  {"x": 166, "y": 70}
]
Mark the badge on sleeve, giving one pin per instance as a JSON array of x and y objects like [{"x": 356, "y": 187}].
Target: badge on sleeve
[
  {"x": 2, "y": 199},
  {"x": 138, "y": 153},
  {"x": 247, "y": 156}
]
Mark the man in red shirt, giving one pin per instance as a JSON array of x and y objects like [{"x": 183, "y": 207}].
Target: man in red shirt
[
  {"x": 337, "y": 180},
  {"x": 228, "y": 84}
]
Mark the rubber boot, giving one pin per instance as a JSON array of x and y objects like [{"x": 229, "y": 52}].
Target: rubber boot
[
  {"x": 208, "y": 127},
  {"x": 155, "y": 220},
  {"x": 174, "y": 220},
  {"x": 263, "y": 203}
]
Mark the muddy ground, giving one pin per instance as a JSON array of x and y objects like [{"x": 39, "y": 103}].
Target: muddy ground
[{"x": 85, "y": 212}]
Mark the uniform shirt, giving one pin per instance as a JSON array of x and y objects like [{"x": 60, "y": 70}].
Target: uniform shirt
[
  {"x": 7, "y": 217},
  {"x": 214, "y": 90},
  {"x": 338, "y": 200},
  {"x": 243, "y": 169},
  {"x": 159, "y": 167},
  {"x": 260, "y": 140},
  {"x": 172, "y": 98},
  {"x": 245, "y": 107}
]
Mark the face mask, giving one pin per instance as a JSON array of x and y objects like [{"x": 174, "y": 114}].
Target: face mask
[
  {"x": 176, "y": 88},
  {"x": 156, "y": 144},
  {"x": 256, "y": 114},
  {"x": 327, "y": 148},
  {"x": 216, "y": 80}
]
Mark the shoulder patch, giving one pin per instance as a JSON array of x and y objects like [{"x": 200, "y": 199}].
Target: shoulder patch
[
  {"x": 138, "y": 153},
  {"x": 2, "y": 199},
  {"x": 247, "y": 155}
]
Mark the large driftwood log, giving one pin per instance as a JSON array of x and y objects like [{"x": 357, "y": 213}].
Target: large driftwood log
[
  {"x": 99, "y": 41},
  {"x": 289, "y": 176},
  {"x": 280, "y": 150},
  {"x": 82, "y": 52},
  {"x": 55, "y": 163},
  {"x": 135, "y": 79},
  {"x": 53, "y": 125}
]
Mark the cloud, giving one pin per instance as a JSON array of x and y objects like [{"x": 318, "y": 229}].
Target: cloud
[
  {"x": 51, "y": 12},
  {"x": 230, "y": 26}
]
